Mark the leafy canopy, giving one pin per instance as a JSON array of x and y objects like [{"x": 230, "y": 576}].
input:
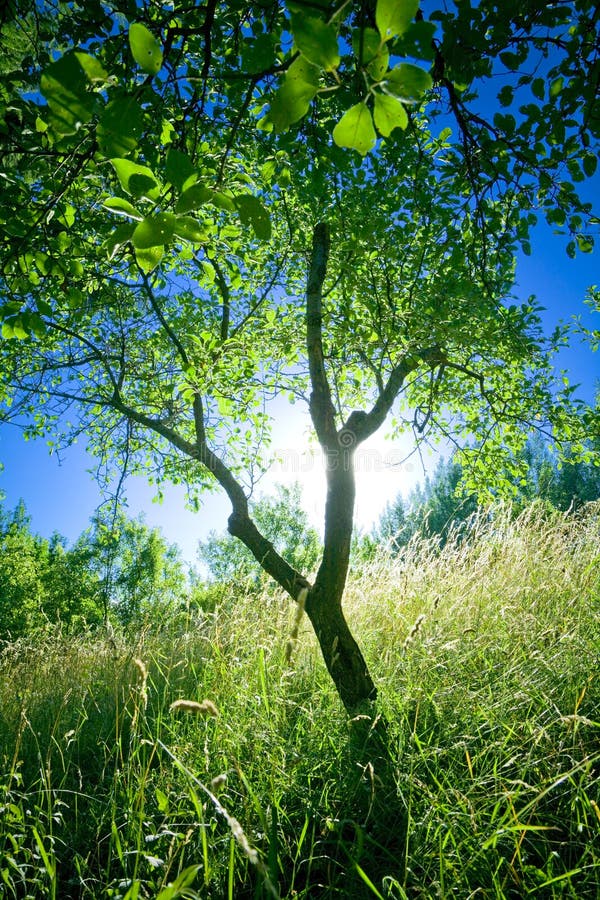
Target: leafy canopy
[{"x": 163, "y": 171}]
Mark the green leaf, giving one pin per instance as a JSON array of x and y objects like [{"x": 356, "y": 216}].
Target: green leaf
[
  {"x": 222, "y": 201},
  {"x": 94, "y": 71},
  {"x": 408, "y": 82},
  {"x": 417, "y": 41},
  {"x": 224, "y": 405},
  {"x": 538, "y": 86},
  {"x": 138, "y": 181},
  {"x": 179, "y": 168},
  {"x": 293, "y": 98},
  {"x": 585, "y": 243},
  {"x": 556, "y": 86},
  {"x": 14, "y": 329},
  {"x": 258, "y": 54},
  {"x": 355, "y": 129},
  {"x": 366, "y": 44},
  {"x": 394, "y": 16},
  {"x": 379, "y": 66},
  {"x": 65, "y": 86},
  {"x": 506, "y": 95},
  {"x": 511, "y": 60},
  {"x": 179, "y": 887},
  {"x": 162, "y": 800},
  {"x": 148, "y": 259},
  {"x": 209, "y": 271},
  {"x": 44, "y": 308},
  {"x": 122, "y": 208},
  {"x": 154, "y": 231},
  {"x": 389, "y": 113},
  {"x": 371, "y": 52},
  {"x": 556, "y": 216},
  {"x": 198, "y": 194},
  {"x": 121, "y": 235},
  {"x": 590, "y": 163},
  {"x": 146, "y": 50},
  {"x": 75, "y": 298},
  {"x": 316, "y": 41},
  {"x": 120, "y": 126},
  {"x": 506, "y": 123},
  {"x": 253, "y": 213},
  {"x": 190, "y": 229}
]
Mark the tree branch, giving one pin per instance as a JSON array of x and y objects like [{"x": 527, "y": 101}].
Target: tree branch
[
  {"x": 224, "y": 291},
  {"x": 321, "y": 406},
  {"x": 240, "y": 524},
  {"x": 161, "y": 318},
  {"x": 364, "y": 424}
]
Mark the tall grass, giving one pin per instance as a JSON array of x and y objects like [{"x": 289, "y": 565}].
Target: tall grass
[{"x": 487, "y": 654}]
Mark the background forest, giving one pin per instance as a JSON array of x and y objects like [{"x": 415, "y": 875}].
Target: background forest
[{"x": 119, "y": 571}]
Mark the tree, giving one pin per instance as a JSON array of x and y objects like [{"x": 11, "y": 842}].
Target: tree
[
  {"x": 566, "y": 484},
  {"x": 438, "y": 507},
  {"x": 41, "y": 581},
  {"x": 136, "y": 572},
  {"x": 209, "y": 208},
  {"x": 21, "y": 587},
  {"x": 117, "y": 569}
]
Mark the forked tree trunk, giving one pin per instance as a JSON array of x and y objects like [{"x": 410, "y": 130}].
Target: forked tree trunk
[
  {"x": 323, "y": 603},
  {"x": 341, "y": 653}
]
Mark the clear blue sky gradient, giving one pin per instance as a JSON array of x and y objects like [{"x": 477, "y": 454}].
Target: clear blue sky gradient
[{"x": 61, "y": 496}]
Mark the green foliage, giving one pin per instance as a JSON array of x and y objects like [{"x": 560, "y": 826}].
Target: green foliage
[
  {"x": 434, "y": 510},
  {"x": 21, "y": 589},
  {"x": 118, "y": 569},
  {"x": 567, "y": 485},
  {"x": 139, "y": 576},
  {"x": 41, "y": 582},
  {"x": 101, "y": 142},
  {"x": 66, "y": 86}
]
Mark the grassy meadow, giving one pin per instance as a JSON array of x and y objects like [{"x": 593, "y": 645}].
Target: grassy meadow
[{"x": 484, "y": 783}]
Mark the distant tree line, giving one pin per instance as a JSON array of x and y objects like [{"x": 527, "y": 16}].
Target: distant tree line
[
  {"x": 121, "y": 571},
  {"x": 117, "y": 570},
  {"x": 439, "y": 507}
]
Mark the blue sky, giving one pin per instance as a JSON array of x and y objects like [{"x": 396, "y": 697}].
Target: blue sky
[{"x": 61, "y": 495}]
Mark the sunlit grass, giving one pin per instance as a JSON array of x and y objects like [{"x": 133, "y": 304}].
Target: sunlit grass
[{"x": 487, "y": 657}]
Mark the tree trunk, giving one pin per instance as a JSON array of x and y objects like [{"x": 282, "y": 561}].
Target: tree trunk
[
  {"x": 341, "y": 653},
  {"x": 343, "y": 658}
]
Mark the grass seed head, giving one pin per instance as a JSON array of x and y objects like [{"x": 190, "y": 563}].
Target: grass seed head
[{"x": 206, "y": 708}]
